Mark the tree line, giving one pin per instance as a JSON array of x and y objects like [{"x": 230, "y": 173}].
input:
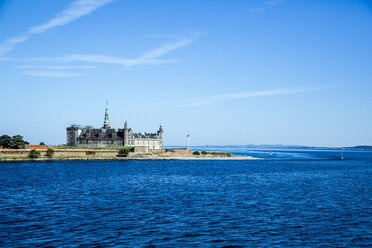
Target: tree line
[{"x": 14, "y": 142}]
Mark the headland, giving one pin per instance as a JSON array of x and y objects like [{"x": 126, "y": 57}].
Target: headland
[{"x": 65, "y": 153}]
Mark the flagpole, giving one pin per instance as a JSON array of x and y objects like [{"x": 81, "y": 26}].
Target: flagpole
[{"x": 188, "y": 141}]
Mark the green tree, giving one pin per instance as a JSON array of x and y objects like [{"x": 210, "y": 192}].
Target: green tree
[
  {"x": 34, "y": 154},
  {"x": 42, "y": 143},
  {"x": 196, "y": 153},
  {"x": 5, "y": 141},
  {"x": 49, "y": 153},
  {"x": 17, "y": 142},
  {"x": 204, "y": 153},
  {"x": 124, "y": 152}
]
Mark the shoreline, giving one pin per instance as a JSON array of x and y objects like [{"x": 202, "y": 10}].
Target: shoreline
[{"x": 144, "y": 158}]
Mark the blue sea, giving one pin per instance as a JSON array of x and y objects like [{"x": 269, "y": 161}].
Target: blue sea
[{"x": 293, "y": 198}]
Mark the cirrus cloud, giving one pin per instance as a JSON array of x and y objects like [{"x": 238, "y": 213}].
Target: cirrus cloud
[{"x": 76, "y": 9}]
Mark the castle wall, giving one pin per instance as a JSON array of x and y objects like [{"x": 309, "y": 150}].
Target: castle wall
[
  {"x": 96, "y": 142},
  {"x": 150, "y": 143}
]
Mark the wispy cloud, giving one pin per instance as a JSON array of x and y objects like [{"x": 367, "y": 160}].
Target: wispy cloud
[
  {"x": 4, "y": 48},
  {"x": 152, "y": 56},
  {"x": 219, "y": 98},
  {"x": 51, "y": 74},
  {"x": 95, "y": 58},
  {"x": 56, "y": 67},
  {"x": 209, "y": 100},
  {"x": 5, "y": 59},
  {"x": 77, "y": 9},
  {"x": 266, "y": 4},
  {"x": 17, "y": 39}
]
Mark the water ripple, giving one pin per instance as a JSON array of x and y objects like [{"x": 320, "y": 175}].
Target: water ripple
[{"x": 186, "y": 204}]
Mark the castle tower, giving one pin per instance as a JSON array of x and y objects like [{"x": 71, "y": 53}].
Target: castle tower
[
  {"x": 106, "y": 122},
  {"x": 160, "y": 136},
  {"x": 161, "y": 131},
  {"x": 126, "y": 134},
  {"x": 72, "y": 134}
]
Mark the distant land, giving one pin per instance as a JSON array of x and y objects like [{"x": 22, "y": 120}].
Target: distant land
[
  {"x": 360, "y": 147},
  {"x": 279, "y": 146}
]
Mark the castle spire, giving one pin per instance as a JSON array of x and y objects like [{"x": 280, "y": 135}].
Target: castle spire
[
  {"x": 106, "y": 123},
  {"x": 126, "y": 125},
  {"x": 161, "y": 128}
]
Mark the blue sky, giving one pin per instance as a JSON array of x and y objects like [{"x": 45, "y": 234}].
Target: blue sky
[{"x": 223, "y": 71}]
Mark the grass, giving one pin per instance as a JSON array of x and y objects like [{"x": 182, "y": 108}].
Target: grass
[
  {"x": 220, "y": 154},
  {"x": 15, "y": 157},
  {"x": 12, "y": 150},
  {"x": 68, "y": 147},
  {"x": 164, "y": 155}
]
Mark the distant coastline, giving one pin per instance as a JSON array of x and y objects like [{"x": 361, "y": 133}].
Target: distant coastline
[{"x": 279, "y": 146}]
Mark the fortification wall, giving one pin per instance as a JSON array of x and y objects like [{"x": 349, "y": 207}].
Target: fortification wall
[
  {"x": 98, "y": 142},
  {"x": 150, "y": 143}
]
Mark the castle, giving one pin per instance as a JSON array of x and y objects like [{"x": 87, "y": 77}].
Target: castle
[{"x": 107, "y": 136}]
